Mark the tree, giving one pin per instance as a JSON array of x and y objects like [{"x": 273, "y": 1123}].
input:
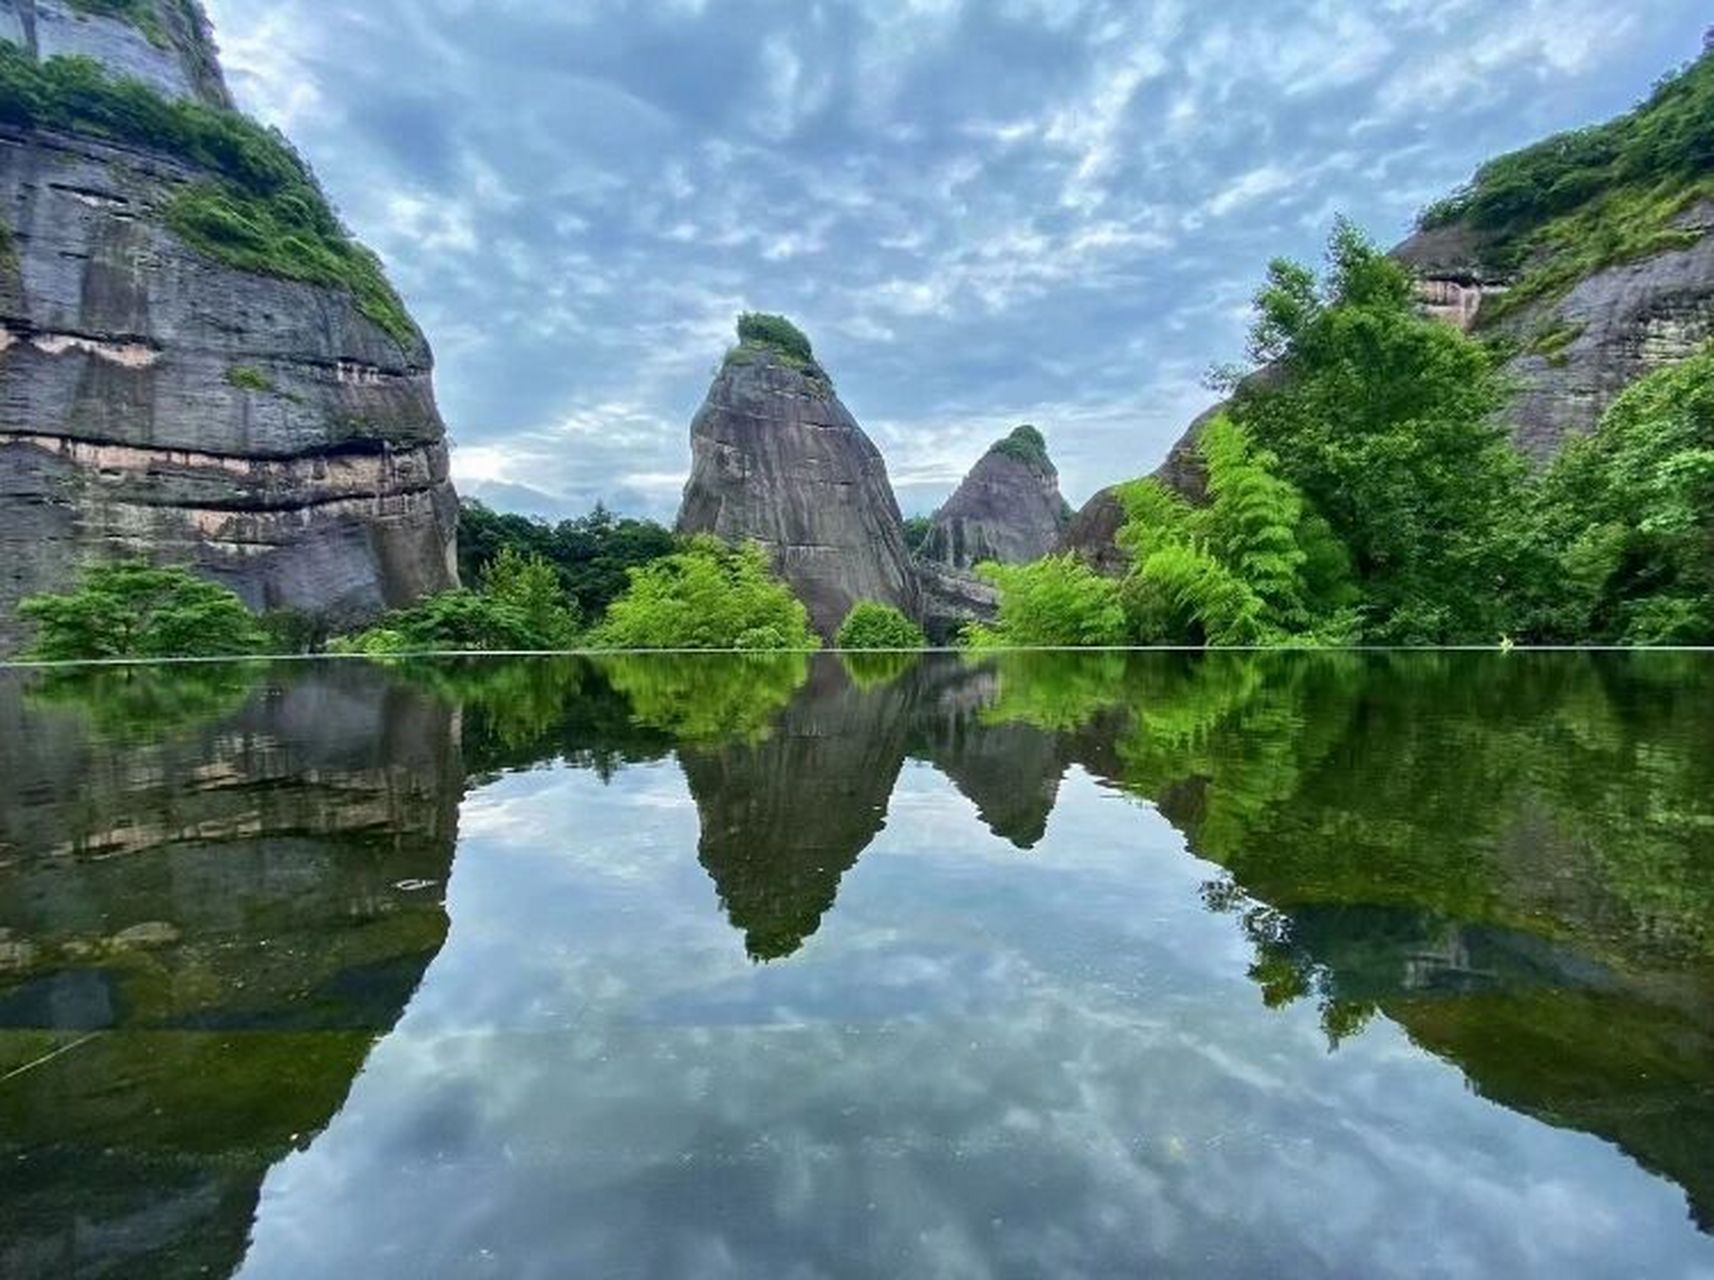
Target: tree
[
  {"x": 529, "y": 584},
  {"x": 1623, "y": 523},
  {"x": 453, "y": 622},
  {"x": 592, "y": 555},
  {"x": 1386, "y": 422},
  {"x": 135, "y": 611},
  {"x": 879, "y": 626},
  {"x": 708, "y": 596}
]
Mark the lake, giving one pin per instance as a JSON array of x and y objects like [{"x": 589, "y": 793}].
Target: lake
[{"x": 1046, "y": 965}]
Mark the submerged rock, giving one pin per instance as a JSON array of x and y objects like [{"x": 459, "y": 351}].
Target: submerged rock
[
  {"x": 158, "y": 402},
  {"x": 777, "y": 459}
]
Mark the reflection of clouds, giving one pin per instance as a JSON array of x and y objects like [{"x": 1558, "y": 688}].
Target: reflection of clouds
[{"x": 983, "y": 1064}]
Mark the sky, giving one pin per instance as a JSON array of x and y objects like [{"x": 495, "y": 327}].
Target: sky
[{"x": 983, "y": 212}]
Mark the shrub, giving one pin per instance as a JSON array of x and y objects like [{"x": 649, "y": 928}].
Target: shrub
[
  {"x": 141, "y": 14},
  {"x": 760, "y": 335},
  {"x": 453, "y": 622},
  {"x": 1059, "y": 602},
  {"x": 1027, "y": 445},
  {"x": 1584, "y": 200},
  {"x": 248, "y": 378},
  {"x": 759, "y": 329},
  {"x": 708, "y": 596},
  {"x": 1622, "y": 527},
  {"x": 135, "y": 611},
  {"x": 879, "y": 626}
]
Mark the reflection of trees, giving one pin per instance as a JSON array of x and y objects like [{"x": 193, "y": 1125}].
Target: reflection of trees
[
  {"x": 715, "y": 698},
  {"x": 871, "y": 670},
  {"x": 1508, "y": 856},
  {"x": 140, "y": 703}
]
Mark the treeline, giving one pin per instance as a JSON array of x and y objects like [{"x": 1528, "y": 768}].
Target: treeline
[
  {"x": 598, "y": 582},
  {"x": 1363, "y": 490}
]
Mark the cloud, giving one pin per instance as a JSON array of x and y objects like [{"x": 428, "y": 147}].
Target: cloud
[{"x": 983, "y": 213}]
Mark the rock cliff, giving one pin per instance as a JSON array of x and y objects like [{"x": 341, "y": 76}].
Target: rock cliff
[
  {"x": 777, "y": 459},
  {"x": 1587, "y": 258},
  {"x": 1008, "y": 509},
  {"x": 176, "y": 402}
]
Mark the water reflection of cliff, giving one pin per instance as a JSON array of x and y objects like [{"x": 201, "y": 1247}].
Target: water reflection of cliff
[
  {"x": 217, "y": 889},
  {"x": 1509, "y": 858}
]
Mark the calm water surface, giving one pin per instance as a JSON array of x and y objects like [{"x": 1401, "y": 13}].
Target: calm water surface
[{"x": 1163, "y": 965}]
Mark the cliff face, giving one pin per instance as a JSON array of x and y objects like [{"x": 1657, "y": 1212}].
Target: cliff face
[
  {"x": 158, "y": 402},
  {"x": 1580, "y": 349},
  {"x": 1588, "y": 258},
  {"x": 1008, "y": 510},
  {"x": 777, "y": 459}
]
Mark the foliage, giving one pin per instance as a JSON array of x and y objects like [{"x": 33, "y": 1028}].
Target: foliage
[
  {"x": 461, "y": 621},
  {"x": 759, "y": 329},
  {"x": 707, "y": 596},
  {"x": 1623, "y": 523},
  {"x": 1059, "y": 602},
  {"x": 284, "y": 236},
  {"x": 529, "y": 585},
  {"x": 877, "y": 668},
  {"x": 762, "y": 335},
  {"x": 142, "y": 703},
  {"x": 917, "y": 529},
  {"x": 592, "y": 555},
  {"x": 141, "y": 14},
  {"x": 1027, "y": 445},
  {"x": 1669, "y": 136},
  {"x": 1385, "y": 421},
  {"x": 135, "y": 611},
  {"x": 1584, "y": 200},
  {"x": 263, "y": 211},
  {"x": 249, "y": 378},
  {"x": 709, "y": 700},
  {"x": 1254, "y": 565},
  {"x": 879, "y": 626}
]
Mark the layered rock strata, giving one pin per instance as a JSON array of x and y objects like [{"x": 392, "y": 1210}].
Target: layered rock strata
[
  {"x": 157, "y": 403},
  {"x": 778, "y": 460}
]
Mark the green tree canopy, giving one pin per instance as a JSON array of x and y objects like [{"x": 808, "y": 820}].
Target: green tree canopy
[
  {"x": 592, "y": 554},
  {"x": 879, "y": 626},
  {"x": 136, "y": 611},
  {"x": 708, "y": 596},
  {"x": 1623, "y": 524},
  {"x": 1387, "y": 422}
]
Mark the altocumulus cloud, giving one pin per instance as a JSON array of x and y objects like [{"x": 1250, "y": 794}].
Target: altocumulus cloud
[{"x": 984, "y": 211}]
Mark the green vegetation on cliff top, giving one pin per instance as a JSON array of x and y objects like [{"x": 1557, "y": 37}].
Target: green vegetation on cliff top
[
  {"x": 763, "y": 335},
  {"x": 1025, "y": 444},
  {"x": 1566, "y": 207},
  {"x": 262, "y": 211}
]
